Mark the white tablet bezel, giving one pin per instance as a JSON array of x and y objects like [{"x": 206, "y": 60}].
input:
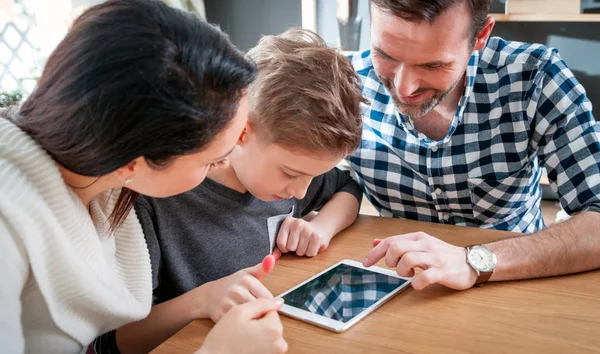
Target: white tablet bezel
[{"x": 334, "y": 325}]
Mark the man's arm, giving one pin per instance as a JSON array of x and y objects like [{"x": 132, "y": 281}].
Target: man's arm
[
  {"x": 569, "y": 247},
  {"x": 568, "y": 141}
]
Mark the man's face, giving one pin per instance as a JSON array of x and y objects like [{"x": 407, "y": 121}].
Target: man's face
[{"x": 421, "y": 63}]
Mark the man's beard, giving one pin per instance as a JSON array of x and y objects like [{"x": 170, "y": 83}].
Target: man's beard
[{"x": 414, "y": 111}]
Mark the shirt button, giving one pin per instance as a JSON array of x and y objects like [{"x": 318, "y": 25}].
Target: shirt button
[
  {"x": 446, "y": 217},
  {"x": 438, "y": 191},
  {"x": 434, "y": 148}
]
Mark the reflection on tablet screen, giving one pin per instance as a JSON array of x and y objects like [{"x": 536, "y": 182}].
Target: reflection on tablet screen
[{"x": 343, "y": 292}]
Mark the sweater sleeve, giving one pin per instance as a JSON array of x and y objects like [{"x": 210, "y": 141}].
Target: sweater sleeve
[
  {"x": 107, "y": 342},
  {"x": 147, "y": 218},
  {"x": 15, "y": 271}
]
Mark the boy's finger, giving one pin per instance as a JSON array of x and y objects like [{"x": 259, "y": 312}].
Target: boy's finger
[
  {"x": 276, "y": 253},
  {"x": 283, "y": 235},
  {"x": 376, "y": 241},
  {"x": 293, "y": 239},
  {"x": 313, "y": 248},
  {"x": 303, "y": 244},
  {"x": 323, "y": 247}
]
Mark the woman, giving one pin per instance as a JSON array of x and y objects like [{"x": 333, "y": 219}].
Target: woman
[{"x": 138, "y": 98}]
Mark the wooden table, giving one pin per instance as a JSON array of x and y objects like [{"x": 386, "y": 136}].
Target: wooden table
[{"x": 555, "y": 315}]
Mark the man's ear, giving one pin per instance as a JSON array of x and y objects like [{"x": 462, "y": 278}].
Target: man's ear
[{"x": 484, "y": 34}]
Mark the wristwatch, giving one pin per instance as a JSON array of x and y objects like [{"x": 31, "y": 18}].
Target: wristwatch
[{"x": 483, "y": 260}]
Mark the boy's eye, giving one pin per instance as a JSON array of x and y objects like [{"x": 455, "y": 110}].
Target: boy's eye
[{"x": 290, "y": 176}]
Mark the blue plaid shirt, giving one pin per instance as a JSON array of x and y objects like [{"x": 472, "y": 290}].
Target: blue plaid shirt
[{"x": 522, "y": 108}]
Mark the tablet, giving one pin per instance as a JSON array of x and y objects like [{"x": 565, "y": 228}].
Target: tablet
[{"x": 342, "y": 295}]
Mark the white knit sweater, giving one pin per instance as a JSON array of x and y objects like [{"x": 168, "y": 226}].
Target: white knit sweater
[{"x": 64, "y": 280}]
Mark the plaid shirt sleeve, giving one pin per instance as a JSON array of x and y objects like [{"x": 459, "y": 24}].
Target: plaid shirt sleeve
[{"x": 567, "y": 135}]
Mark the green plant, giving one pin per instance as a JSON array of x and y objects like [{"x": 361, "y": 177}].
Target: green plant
[{"x": 10, "y": 98}]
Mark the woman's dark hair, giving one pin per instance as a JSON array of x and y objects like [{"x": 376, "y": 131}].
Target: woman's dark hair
[{"x": 134, "y": 78}]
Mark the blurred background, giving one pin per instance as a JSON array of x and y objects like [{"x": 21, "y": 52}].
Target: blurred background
[{"x": 31, "y": 29}]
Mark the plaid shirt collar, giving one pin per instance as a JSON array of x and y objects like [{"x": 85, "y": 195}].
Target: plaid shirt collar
[{"x": 404, "y": 121}]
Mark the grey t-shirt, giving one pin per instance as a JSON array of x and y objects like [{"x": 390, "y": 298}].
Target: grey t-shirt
[{"x": 213, "y": 231}]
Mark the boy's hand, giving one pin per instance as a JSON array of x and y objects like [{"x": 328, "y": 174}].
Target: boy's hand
[
  {"x": 302, "y": 237},
  {"x": 238, "y": 288}
]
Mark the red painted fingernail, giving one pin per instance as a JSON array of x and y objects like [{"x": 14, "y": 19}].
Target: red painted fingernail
[{"x": 268, "y": 263}]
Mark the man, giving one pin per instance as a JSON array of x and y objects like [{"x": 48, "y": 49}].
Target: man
[{"x": 457, "y": 128}]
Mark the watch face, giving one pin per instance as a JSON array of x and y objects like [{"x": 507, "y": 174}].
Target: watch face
[{"x": 482, "y": 259}]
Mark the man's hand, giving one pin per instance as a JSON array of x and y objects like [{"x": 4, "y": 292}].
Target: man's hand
[{"x": 441, "y": 262}]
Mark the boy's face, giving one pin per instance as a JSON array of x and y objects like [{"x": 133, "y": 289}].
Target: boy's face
[{"x": 272, "y": 172}]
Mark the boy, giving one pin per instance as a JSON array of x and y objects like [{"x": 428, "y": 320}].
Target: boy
[{"x": 205, "y": 244}]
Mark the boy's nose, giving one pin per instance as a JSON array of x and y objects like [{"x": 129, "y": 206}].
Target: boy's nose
[
  {"x": 298, "y": 194},
  {"x": 298, "y": 190}
]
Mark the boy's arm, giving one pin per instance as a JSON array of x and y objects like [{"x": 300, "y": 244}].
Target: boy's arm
[
  {"x": 338, "y": 198},
  {"x": 337, "y": 214},
  {"x": 324, "y": 187},
  {"x": 338, "y": 201}
]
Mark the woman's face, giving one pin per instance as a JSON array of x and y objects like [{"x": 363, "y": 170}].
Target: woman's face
[{"x": 187, "y": 172}]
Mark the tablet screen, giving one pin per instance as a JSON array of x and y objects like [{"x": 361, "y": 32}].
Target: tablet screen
[{"x": 343, "y": 292}]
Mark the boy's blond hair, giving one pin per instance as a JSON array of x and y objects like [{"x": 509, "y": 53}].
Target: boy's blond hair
[{"x": 306, "y": 95}]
